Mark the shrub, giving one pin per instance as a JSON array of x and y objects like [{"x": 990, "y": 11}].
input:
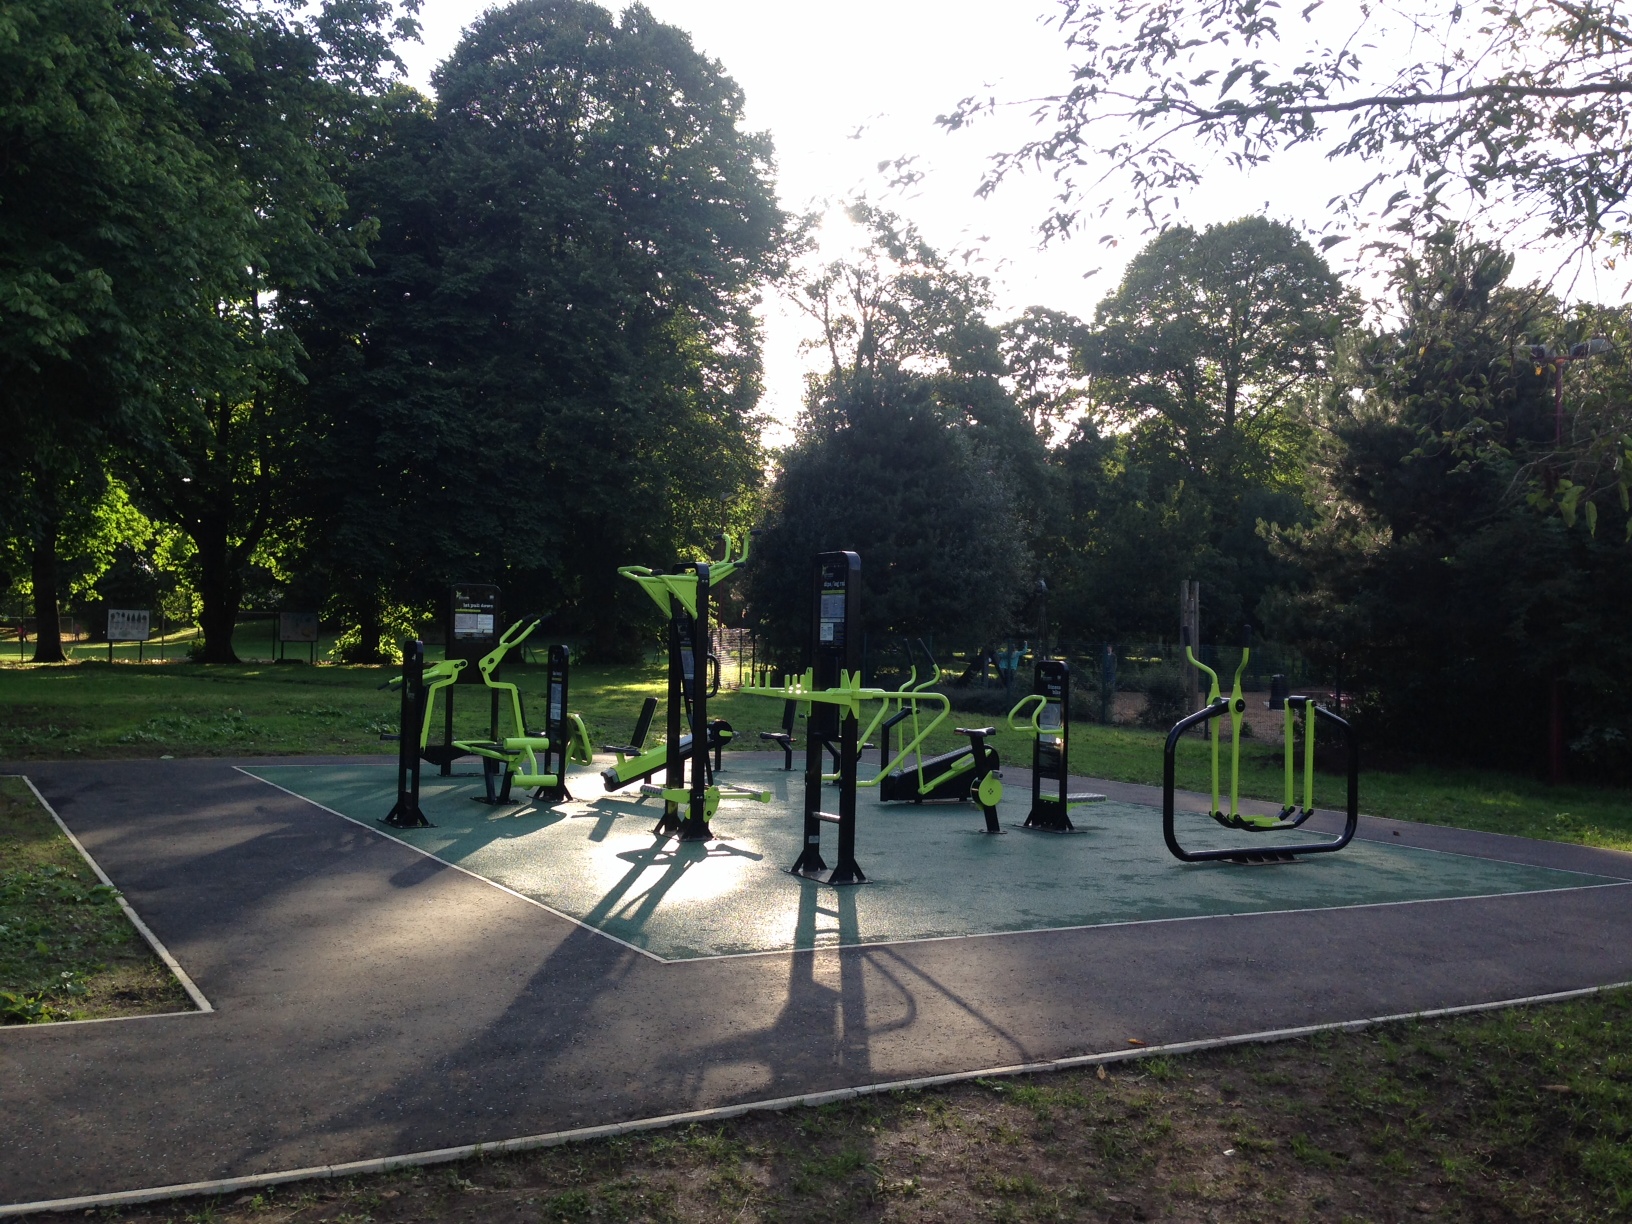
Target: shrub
[{"x": 1165, "y": 700}]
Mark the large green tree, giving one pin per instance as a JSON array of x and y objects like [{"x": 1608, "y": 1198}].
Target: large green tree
[
  {"x": 1203, "y": 362},
  {"x": 551, "y": 366},
  {"x": 881, "y": 469},
  {"x": 1450, "y": 607},
  {"x": 111, "y": 226},
  {"x": 281, "y": 102},
  {"x": 1209, "y": 340},
  {"x": 910, "y": 450},
  {"x": 166, "y": 184}
]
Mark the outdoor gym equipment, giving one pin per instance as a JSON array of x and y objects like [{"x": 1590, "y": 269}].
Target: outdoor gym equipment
[
  {"x": 1045, "y": 715},
  {"x": 1291, "y": 814},
  {"x": 470, "y": 628},
  {"x": 955, "y": 776},
  {"x": 684, "y": 598},
  {"x": 513, "y": 759},
  {"x": 419, "y": 685},
  {"x": 564, "y": 736},
  {"x": 832, "y": 694}
]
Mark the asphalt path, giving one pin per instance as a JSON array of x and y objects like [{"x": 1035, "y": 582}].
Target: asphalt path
[{"x": 372, "y": 1002}]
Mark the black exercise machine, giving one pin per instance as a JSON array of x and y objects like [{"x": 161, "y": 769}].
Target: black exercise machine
[{"x": 1045, "y": 715}]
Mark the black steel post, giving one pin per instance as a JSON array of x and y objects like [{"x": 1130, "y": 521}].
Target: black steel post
[
  {"x": 835, "y": 650},
  {"x": 695, "y": 826},
  {"x": 1050, "y": 762},
  {"x": 405, "y": 813},
  {"x": 556, "y": 728},
  {"x": 674, "y": 765}
]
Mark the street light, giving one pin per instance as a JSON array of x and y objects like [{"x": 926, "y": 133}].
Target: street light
[{"x": 1545, "y": 355}]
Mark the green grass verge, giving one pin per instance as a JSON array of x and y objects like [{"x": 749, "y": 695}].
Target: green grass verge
[
  {"x": 1514, "y": 1115},
  {"x": 94, "y": 710},
  {"x": 67, "y": 951}
]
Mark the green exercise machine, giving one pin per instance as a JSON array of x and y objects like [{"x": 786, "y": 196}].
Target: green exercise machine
[
  {"x": 1292, "y": 814},
  {"x": 690, "y": 735},
  {"x": 946, "y": 777},
  {"x": 830, "y": 692},
  {"x": 1045, "y": 715},
  {"x": 507, "y": 759},
  {"x": 533, "y": 760}
]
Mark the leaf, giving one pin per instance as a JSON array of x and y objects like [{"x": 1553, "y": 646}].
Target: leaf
[
  {"x": 1592, "y": 518},
  {"x": 1235, "y": 74},
  {"x": 1332, "y": 240}
]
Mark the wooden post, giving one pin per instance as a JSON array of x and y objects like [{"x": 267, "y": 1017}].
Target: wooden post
[{"x": 1190, "y": 635}]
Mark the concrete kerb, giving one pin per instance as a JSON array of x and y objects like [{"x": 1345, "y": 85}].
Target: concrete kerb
[{"x": 387, "y": 1164}]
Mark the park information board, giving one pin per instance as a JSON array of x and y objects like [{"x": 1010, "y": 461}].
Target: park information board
[
  {"x": 297, "y": 626},
  {"x": 129, "y": 624},
  {"x": 300, "y": 628}
]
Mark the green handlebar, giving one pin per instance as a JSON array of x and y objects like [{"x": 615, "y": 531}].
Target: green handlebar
[{"x": 1031, "y": 725}]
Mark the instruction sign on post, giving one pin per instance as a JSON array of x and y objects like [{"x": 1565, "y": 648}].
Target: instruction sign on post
[
  {"x": 128, "y": 625},
  {"x": 297, "y": 627},
  {"x": 472, "y": 625},
  {"x": 300, "y": 628}
]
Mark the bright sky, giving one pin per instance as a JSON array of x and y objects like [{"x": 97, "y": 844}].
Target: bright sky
[{"x": 847, "y": 84}]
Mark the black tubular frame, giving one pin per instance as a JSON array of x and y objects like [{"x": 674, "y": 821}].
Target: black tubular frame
[{"x": 1258, "y": 854}]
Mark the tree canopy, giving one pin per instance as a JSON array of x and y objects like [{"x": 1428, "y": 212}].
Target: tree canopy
[
  {"x": 551, "y": 366},
  {"x": 1519, "y": 108}
]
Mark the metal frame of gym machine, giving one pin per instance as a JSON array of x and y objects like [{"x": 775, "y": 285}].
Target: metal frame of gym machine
[
  {"x": 1291, "y": 814},
  {"x": 835, "y": 656}
]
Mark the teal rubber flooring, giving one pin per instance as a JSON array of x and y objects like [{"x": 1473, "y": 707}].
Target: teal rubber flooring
[{"x": 931, "y": 872}]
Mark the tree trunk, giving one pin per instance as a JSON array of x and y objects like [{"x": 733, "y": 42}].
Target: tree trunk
[
  {"x": 47, "y": 623},
  {"x": 220, "y": 590},
  {"x": 370, "y": 629}
]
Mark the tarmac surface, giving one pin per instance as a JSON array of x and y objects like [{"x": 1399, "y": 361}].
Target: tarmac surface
[{"x": 373, "y": 1001}]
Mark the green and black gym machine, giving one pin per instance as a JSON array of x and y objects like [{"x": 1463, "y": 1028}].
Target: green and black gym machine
[
  {"x": 1292, "y": 814},
  {"x": 1045, "y": 715},
  {"x": 534, "y": 759},
  {"x": 684, "y": 596}
]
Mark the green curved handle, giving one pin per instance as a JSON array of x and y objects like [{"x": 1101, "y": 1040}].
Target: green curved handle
[
  {"x": 1196, "y": 663},
  {"x": 1031, "y": 726}
]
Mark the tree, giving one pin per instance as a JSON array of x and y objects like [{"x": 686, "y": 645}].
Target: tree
[
  {"x": 1041, "y": 350},
  {"x": 879, "y": 469},
  {"x": 1447, "y": 604},
  {"x": 165, "y": 186},
  {"x": 1208, "y": 338},
  {"x": 1516, "y": 108},
  {"x": 898, "y": 305},
  {"x": 279, "y": 106},
  {"x": 110, "y": 216},
  {"x": 551, "y": 365},
  {"x": 1203, "y": 361}
]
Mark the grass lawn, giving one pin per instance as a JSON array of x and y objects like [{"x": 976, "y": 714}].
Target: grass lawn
[
  {"x": 67, "y": 951},
  {"x": 1515, "y": 1115}
]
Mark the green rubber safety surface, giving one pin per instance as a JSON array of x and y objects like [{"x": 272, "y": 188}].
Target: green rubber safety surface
[{"x": 932, "y": 872}]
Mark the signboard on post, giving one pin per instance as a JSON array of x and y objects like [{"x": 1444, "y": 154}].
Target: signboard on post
[
  {"x": 472, "y": 625},
  {"x": 298, "y": 627},
  {"x": 129, "y": 625}
]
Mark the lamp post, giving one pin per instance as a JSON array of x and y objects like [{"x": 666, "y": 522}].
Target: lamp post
[{"x": 1545, "y": 355}]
